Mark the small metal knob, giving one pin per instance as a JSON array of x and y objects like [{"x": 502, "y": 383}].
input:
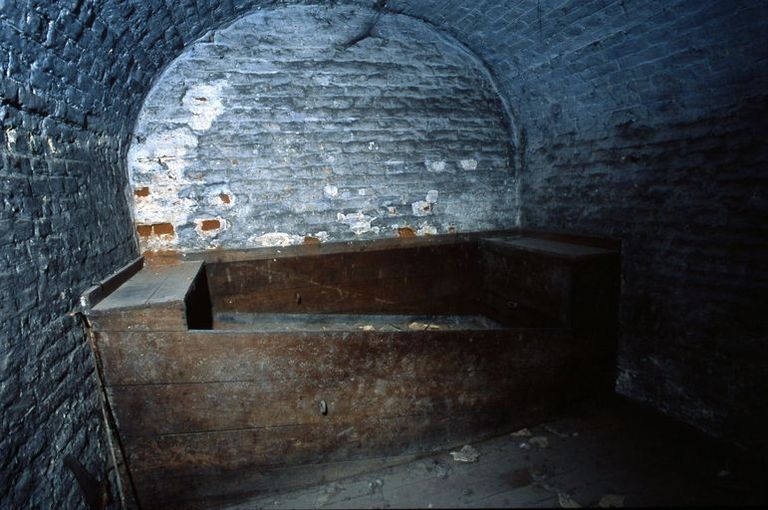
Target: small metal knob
[{"x": 323, "y": 408}]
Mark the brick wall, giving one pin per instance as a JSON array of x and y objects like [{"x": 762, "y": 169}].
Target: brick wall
[
  {"x": 64, "y": 223},
  {"x": 645, "y": 121},
  {"x": 284, "y": 126}
]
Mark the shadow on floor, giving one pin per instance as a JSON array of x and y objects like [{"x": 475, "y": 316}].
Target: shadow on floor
[{"x": 609, "y": 453}]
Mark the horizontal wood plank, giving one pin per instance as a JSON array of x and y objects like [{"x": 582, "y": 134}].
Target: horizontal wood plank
[
  {"x": 171, "y": 470},
  {"x": 220, "y": 356}
]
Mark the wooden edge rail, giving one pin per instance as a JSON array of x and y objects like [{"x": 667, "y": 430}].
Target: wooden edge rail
[{"x": 96, "y": 293}]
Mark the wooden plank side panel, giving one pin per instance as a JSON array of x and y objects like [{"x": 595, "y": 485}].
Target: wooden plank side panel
[
  {"x": 423, "y": 294},
  {"x": 148, "y": 410},
  {"x": 165, "y": 317},
  {"x": 514, "y": 280},
  {"x": 219, "y": 356},
  {"x": 172, "y": 471},
  {"x": 388, "y": 393},
  {"x": 421, "y": 278}
]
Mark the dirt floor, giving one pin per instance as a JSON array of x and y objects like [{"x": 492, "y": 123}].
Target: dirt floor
[{"x": 606, "y": 454}]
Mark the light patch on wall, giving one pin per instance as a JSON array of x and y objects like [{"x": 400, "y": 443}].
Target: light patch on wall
[
  {"x": 273, "y": 239},
  {"x": 425, "y": 207},
  {"x": 358, "y": 222},
  {"x": 204, "y": 103},
  {"x": 52, "y": 147},
  {"x": 10, "y": 139},
  {"x": 436, "y": 166},
  {"x": 468, "y": 164},
  {"x": 330, "y": 191},
  {"x": 426, "y": 230},
  {"x": 158, "y": 163}
]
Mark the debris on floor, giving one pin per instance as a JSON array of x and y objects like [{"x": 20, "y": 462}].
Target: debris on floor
[
  {"x": 611, "y": 501},
  {"x": 565, "y": 501},
  {"x": 437, "y": 469},
  {"x": 563, "y": 435},
  {"x": 466, "y": 454},
  {"x": 375, "y": 486},
  {"x": 368, "y": 327},
  {"x": 422, "y": 326},
  {"x": 538, "y": 441},
  {"x": 524, "y": 432},
  {"x": 327, "y": 494}
]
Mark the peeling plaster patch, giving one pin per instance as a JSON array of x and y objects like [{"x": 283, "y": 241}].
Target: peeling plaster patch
[
  {"x": 322, "y": 236},
  {"x": 272, "y": 239},
  {"x": 10, "y": 139},
  {"x": 358, "y": 222},
  {"x": 436, "y": 166},
  {"x": 158, "y": 163},
  {"x": 52, "y": 147},
  {"x": 426, "y": 230},
  {"x": 204, "y": 103},
  {"x": 468, "y": 164},
  {"x": 431, "y": 196},
  {"x": 421, "y": 208},
  {"x": 170, "y": 149},
  {"x": 330, "y": 191}
]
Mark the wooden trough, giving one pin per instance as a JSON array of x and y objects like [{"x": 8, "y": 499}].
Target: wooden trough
[{"x": 232, "y": 373}]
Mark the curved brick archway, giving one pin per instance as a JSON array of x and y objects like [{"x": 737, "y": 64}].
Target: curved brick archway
[{"x": 332, "y": 123}]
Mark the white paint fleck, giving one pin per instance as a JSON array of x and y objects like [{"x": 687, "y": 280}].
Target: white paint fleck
[
  {"x": 10, "y": 138},
  {"x": 436, "y": 166},
  {"x": 362, "y": 192},
  {"x": 204, "y": 103},
  {"x": 426, "y": 230},
  {"x": 330, "y": 191},
  {"x": 276, "y": 239},
  {"x": 358, "y": 222},
  {"x": 322, "y": 236},
  {"x": 432, "y": 196},
  {"x": 468, "y": 164},
  {"x": 52, "y": 146},
  {"x": 421, "y": 208}
]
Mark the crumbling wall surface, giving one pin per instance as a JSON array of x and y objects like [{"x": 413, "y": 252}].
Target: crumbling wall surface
[
  {"x": 64, "y": 223},
  {"x": 646, "y": 121},
  {"x": 326, "y": 122}
]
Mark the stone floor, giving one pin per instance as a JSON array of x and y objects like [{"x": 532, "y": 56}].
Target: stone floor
[{"x": 599, "y": 454}]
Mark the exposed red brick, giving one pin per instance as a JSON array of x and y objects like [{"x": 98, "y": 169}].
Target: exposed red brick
[
  {"x": 311, "y": 240},
  {"x": 225, "y": 198},
  {"x": 163, "y": 229},
  {"x": 210, "y": 225},
  {"x": 144, "y": 230},
  {"x": 141, "y": 192},
  {"x": 406, "y": 232}
]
